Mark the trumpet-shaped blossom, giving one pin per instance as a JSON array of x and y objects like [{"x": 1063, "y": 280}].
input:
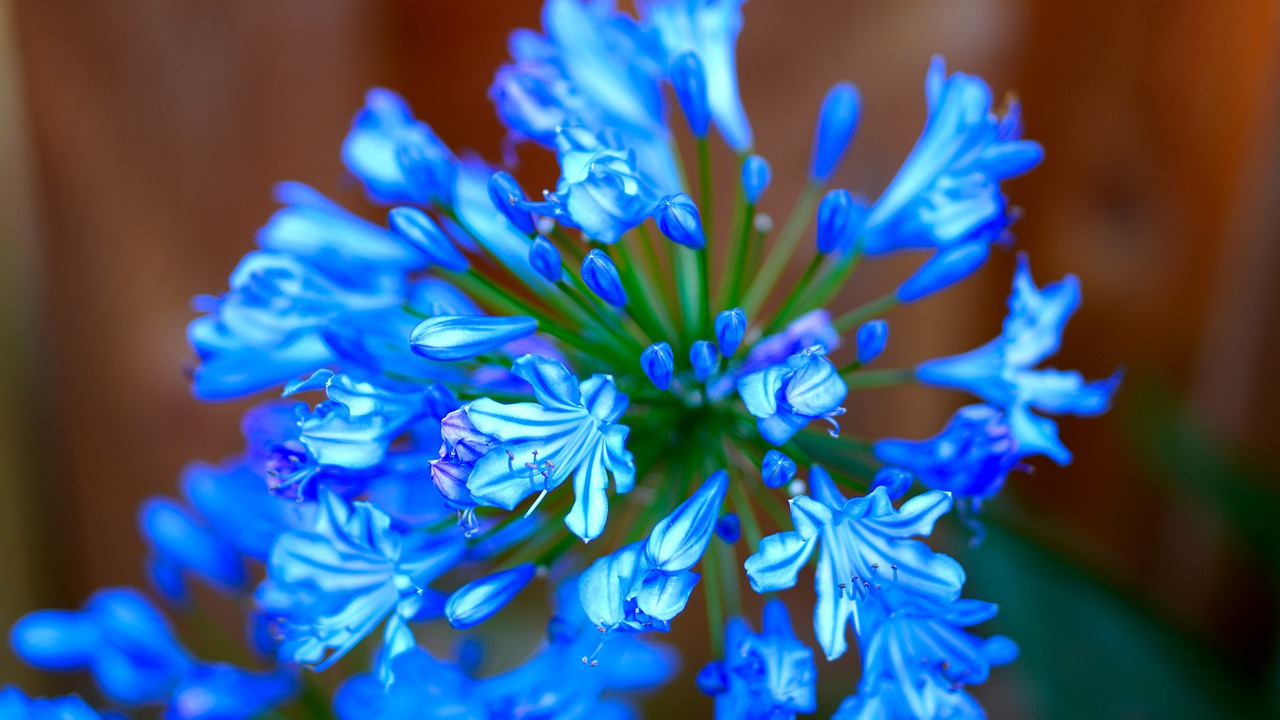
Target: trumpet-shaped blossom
[
  {"x": 1003, "y": 373},
  {"x": 866, "y": 545},
  {"x": 398, "y": 158},
  {"x": 571, "y": 431},
  {"x": 17, "y": 706},
  {"x": 947, "y": 196},
  {"x": 787, "y": 396},
  {"x": 764, "y": 676},
  {"x": 122, "y": 640},
  {"x": 575, "y": 675},
  {"x": 354, "y": 427},
  {"x": 917, "y": 658},
  {"x": 646, "y": 584},
  {"x": 708, "y": 29},
  {"x": 970, "y": 458},
  {"x": 329, "y": 586}
]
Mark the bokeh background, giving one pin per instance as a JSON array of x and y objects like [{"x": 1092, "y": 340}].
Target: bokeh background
[{"x": 139, "y": 140}]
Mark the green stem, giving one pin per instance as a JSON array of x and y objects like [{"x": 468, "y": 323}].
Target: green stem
[
  {"x": 706, "y": 200},
  {"x": 687, "y": 282},
  {"x": 313, "y": 698},
  {"x": 797, "y": 290},
  {"x": 868, "y": 379},
  {"x": 776, "y": 260},
  {"x": 715, "y": 608},
  {"x": 736, "y": 258},
  {"x": 660, "y": 308},
  {"x": 865, "y": 312}
]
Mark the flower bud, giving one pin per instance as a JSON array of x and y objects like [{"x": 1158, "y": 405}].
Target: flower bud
[
  {"x": 872, "y": 336},
  {"x": 678, "y": 540},
  {"x": 756, "y": 175},
  {"x": 601, "y": 275},
  {"x": 690, "y": 83},
  {"x": 704, "y": 357},
  {"x": 545, "y": 259},
  {"x": 422, "y": 232},
  {"x": 731, "y": 326},
  {"x": 729, "y": 528},
  {"x": 678, "y": 219},
  {"x": 894, "y": 480},
  {"x": 837, "y": 121},
  {"x": 506, "y": 195},
  {"x": 778, "y": 469},
  {"x": 478, "y": 600},
  {"x": 657, "y": 361},
  {"x": 834, "y": 214},
  {"x": 462, "y": 337}
]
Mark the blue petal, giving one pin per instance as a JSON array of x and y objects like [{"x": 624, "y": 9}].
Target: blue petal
[{"x": 678, "y": 541}]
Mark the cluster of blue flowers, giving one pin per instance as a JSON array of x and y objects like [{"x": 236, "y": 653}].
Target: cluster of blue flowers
[{"x": 452, "y": 368}]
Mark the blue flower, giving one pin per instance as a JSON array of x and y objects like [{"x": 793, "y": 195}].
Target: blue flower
[
  {"x": 708, "y": 29},
  {"x": 567, "y": 679},
  {"x": 180, "y": 542},
  {"x": 866, "y": 545},
  {"x": 970, "y": 458},
  {"x": 593, "y": 68},
  {"x": 947, "y": 195},
  {"x": 119, "y": 637},
  {"x": 1001, "y": 372},
  {"x": 812, "y": 328},
  {"x": 271, "y": 326},
  {"x": 601, "y": 189},
  {"x": 647, "y": 583},
  {"x": 14, "y": 705},
  {"x": 315, "y": 229},
  {"x": 235, "y": 503},
  {"x": 329, "y": 586},
  {"x": 128, "y": 647},
  {"x": 398, "y": 158},
  {"x": 787, "y": 396},
  {"x": 571, "y": 430},
  {"x": 917, "y": 658},
  {"x": 355, "y": 426},
  {"x": 764, "y": 676}
]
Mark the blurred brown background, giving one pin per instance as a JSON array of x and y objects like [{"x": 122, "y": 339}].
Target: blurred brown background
[{"x": 139, "y": 140}]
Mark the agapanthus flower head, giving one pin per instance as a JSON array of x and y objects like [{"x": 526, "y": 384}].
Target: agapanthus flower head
[{"x": 674, "y": 361}]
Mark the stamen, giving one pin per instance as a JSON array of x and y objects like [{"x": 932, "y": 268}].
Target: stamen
[{"x": 536, "y": 503}]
